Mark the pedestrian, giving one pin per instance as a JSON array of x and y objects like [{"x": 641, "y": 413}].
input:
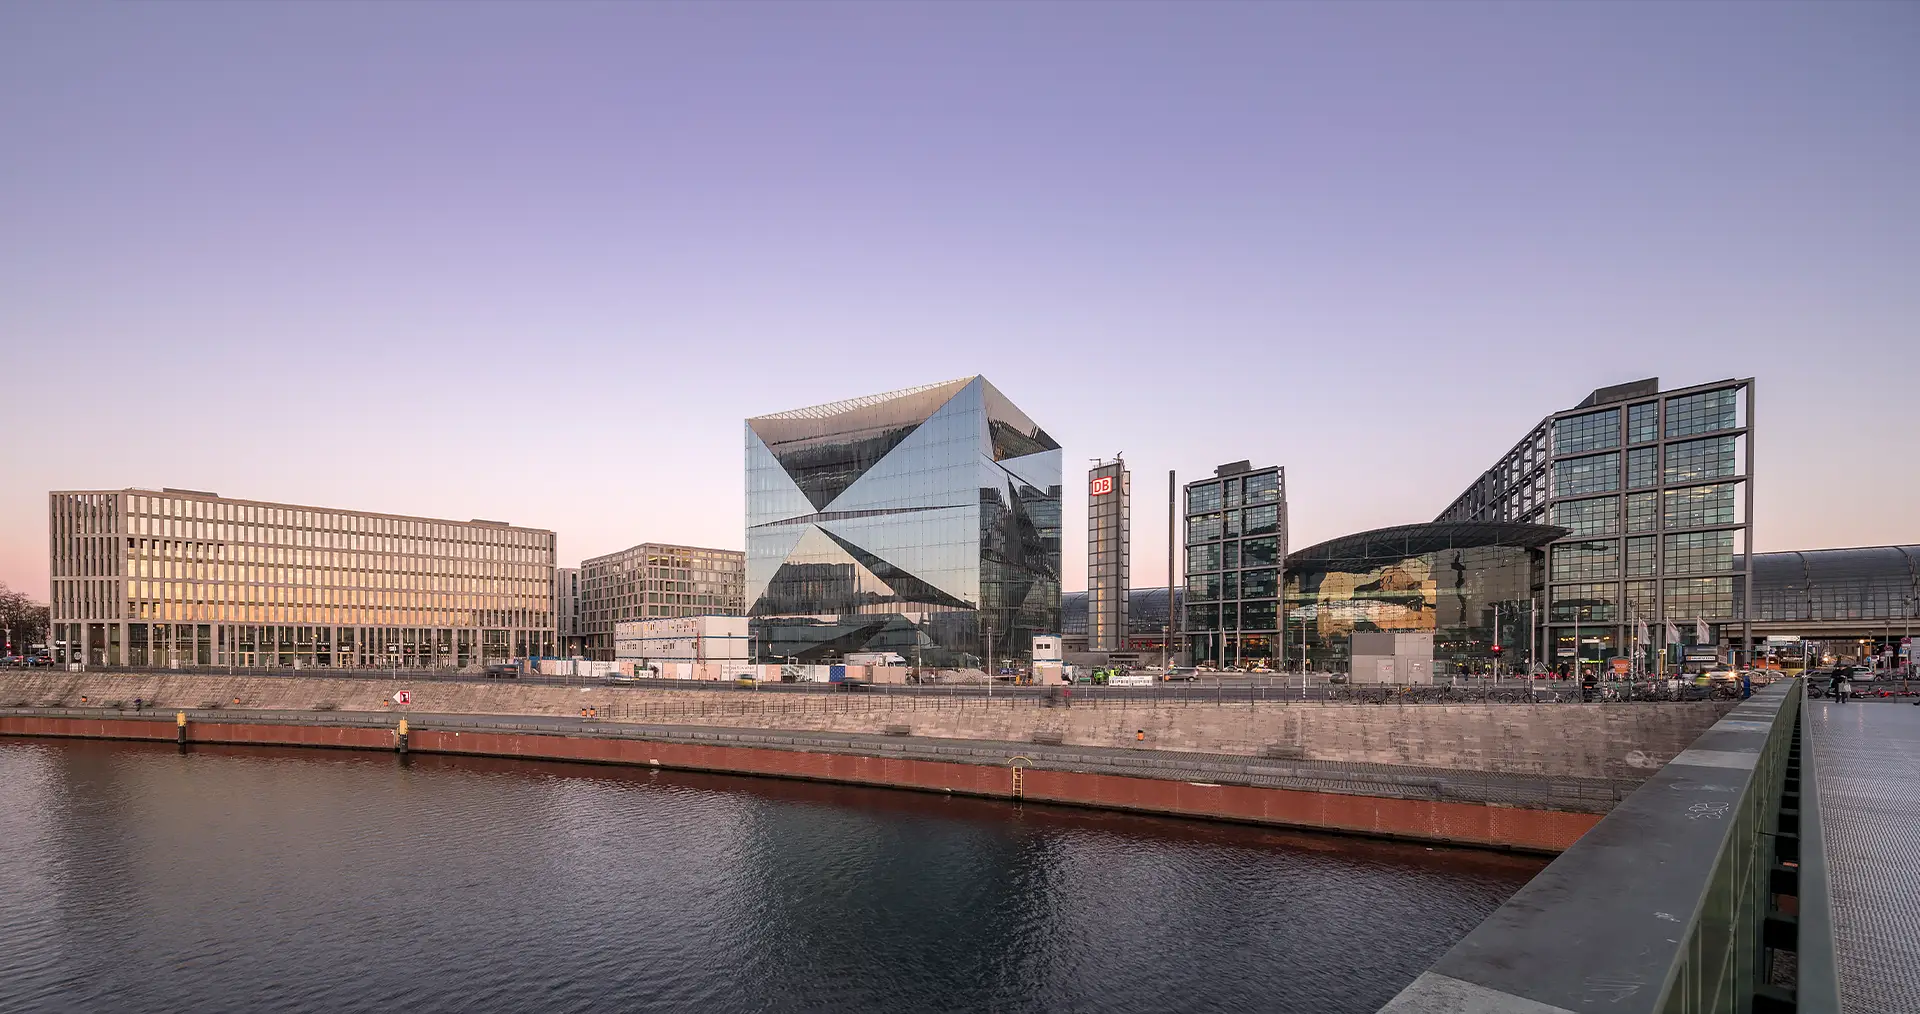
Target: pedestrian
[{"x": 136, "y": 705}]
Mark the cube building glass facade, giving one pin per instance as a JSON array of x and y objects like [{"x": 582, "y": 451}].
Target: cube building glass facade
[{"x": 915, "y": 521}]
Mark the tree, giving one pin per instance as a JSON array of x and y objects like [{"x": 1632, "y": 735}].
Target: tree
[{"x": 24, "y": 619}]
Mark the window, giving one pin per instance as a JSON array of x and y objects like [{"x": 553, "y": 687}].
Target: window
[
  {"x": 1201, "y": 559},
  {"x": 1586, "y": 561},
  {"x": 1643, "y": 512},
  {"x": 1643, "y": 423},
  {"x": 1640, "y": 604},
  {"x": 1263, "y": 488},
  {"x": 1712, "y": 458},
  {"x": 1641, "y": 558},
  {"x": 1260, "y": 552},
  {"x": 1699, "y": 506},
  {"x": 1599, "y": 473},
  {"x": 1582, "y": 603},
  {"x": 1707, "y": 412},
  {"x": 1201, "y": 499},
  {"x": 1699, "y": 552},
  {"x": 1643, "y": 467},
  {"x": 1259, "y": 584},
  {"x": 1595, "y": 431},
  {"x": 1700, "y": 596},
  {"x": 1261, "y": 520},
  {"x": 1589, "y": 517}
]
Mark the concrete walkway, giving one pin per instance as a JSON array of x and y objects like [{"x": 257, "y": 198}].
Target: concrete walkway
[{"x": 1867, "y": 764}]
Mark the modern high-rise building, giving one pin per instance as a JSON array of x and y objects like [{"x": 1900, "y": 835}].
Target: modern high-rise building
[
  {"x": 568, "y": 635},
  {"x": 1655, "y": 489},
  {"x": 920, "y": 521},
  {"x": 651, "y": 581},
  {"x": 1109, "y": 517},
  {"x": 1236, "y": 555},
  {"x": 179, "y": 577}
]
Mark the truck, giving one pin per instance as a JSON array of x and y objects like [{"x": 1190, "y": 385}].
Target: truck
[{"x": 875, "y": 658}]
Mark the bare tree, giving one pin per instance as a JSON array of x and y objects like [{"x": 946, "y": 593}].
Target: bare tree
[{"x": 24, "y": 621}]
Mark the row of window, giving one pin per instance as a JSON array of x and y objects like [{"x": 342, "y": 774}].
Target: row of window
[
  {"x": 1263, "y": 551},
  {"x": 1258, "y": 488},
  {"x": 1232, "y": 524},
  {"x": 1685, "y": 553},
  {"x": 141, "y": 507},
  {"x": 1687, "y": 415},
  {"x": 1685, "y": 598},
  {"x": 1690, "y": 507},
  {"x": 1688, "y": 461}
]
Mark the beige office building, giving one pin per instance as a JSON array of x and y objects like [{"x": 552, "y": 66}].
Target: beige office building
[
  {"x": 183, "y": 578},
  {"x": 650, "y": 581}
]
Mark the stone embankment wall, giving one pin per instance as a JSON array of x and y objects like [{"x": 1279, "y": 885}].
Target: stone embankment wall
[{"x": 1560, "y": 740}]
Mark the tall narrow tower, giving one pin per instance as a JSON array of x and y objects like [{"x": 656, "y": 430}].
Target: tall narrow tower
[{"x": 1109, "y": 513}]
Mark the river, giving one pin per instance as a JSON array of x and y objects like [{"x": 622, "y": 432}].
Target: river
[{"x": 134, "y": 877}]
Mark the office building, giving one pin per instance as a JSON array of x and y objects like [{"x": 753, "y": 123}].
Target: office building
[
  {"x": 921, "y": 521},
  {"x": 569, "y": 638},
  {"x": 1236, "y": 539},
  {"x": 653, "y": 581},
  {"x": 180, "y": 577},
  {"x": 1655, "y": 489},
  {"x": 1109, "y": 515}
]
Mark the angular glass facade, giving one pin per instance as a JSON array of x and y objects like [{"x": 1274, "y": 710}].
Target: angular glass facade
[
  {"x": 915, "y": 521},
  {"x": 1454, "y": 581}
]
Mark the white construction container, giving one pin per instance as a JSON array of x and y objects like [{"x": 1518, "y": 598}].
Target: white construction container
[{"x": 721, "y": 639}]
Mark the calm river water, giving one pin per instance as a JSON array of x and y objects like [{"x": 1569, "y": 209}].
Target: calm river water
[{"x": 136, "y": 878}]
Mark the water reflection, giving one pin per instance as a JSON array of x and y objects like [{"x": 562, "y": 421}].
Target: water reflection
[{"x": 139, "y": 878}]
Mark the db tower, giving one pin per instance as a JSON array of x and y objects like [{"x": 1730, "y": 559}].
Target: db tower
[{"x": 1109, "y": 514}]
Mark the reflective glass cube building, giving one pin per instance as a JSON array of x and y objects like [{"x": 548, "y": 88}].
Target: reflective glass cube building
[{"x": 915, "y": 521}]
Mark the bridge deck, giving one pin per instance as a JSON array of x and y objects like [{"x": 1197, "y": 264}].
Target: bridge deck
[{"x": 1867, "y": 766}]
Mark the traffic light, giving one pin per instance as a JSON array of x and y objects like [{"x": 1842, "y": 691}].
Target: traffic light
[{"x": 1496, "y": 651}]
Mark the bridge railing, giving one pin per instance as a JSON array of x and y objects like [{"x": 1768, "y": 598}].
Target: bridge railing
[{"x": 1698, "y": 893}]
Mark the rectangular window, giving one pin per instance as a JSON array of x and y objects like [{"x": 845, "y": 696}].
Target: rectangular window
[
  {"x": 1201, "y": 499},
  {"x": 1259, "y": 584},
  {"x": 1643, "y": 512},
  {"x": 1261, "y": 520},
  {"x": 1699, "y": 506},
  {"x": 1694, "y": 460},
  {"x": 1640, "y": 604},
  {"x": 1263, "y": 488},
  {"x": 1641, "y": 558},
  {"x": 1260, "y": 552},
  {"x": 1595, "y": 431},
  {"x": 1231, "y": 557},
  {"x": 1201, "y": 559},
  {"x": 1582, "y": 603},
  {"x": 1700, "y": 597},
  {"x": 1203, "y": 528},
  {"x": 1589, "y": 517},
  {"x": 1643, "y": 423},
  {"x": 1699, "y": 552},
  {"x": 1233, "y": 492},
  {"x": 1599, "y": 473},
  {"x": 1643, "y": 467},
  {"x": 1586, "y": 561},
  {"x": 1707, "y": 412},
  {"x": 1203, "y": 587}
]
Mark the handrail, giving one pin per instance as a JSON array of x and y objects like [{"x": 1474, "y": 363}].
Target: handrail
[{"x": 1668, "y": 905}]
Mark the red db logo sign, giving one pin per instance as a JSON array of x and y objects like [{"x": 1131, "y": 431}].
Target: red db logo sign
[{"x": 1104, "y": 484}]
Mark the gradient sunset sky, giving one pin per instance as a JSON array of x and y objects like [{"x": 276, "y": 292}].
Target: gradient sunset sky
[{"x": 537, "y": 263}]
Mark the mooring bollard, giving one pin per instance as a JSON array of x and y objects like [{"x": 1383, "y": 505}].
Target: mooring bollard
[
  {"x": 400, "y": 737},
  {"x": 180, "y": 727}
]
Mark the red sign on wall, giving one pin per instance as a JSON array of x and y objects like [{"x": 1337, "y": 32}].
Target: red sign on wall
[{"x": 1103, "y": 484}]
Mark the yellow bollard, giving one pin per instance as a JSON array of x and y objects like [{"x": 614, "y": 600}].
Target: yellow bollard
[
  {"x": 180, "y": 728},
  {"x": 400, "y": 739}
]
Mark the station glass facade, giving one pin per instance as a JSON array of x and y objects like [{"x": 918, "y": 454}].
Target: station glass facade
[
  {"x": 1469, "y": 585},
  {"x": 1655, "y": 490},
  {"x": 916, "y": 521}
]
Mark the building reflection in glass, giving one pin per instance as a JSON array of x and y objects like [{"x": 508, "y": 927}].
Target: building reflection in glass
[
  {"x": 1449, "y": 580},
  {"x": 912, "y": 522}
]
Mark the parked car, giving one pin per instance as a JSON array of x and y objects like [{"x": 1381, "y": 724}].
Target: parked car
[{"x": 1182, "y": 675}]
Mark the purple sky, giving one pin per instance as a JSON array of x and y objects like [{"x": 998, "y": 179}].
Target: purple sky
[{"x": 538, "y": 263}]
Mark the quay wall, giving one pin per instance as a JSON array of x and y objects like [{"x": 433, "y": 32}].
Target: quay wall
[{"x": 1614, "y": 741}]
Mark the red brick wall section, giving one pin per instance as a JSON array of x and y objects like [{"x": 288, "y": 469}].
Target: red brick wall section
[{"x": 1422, "y": 820}]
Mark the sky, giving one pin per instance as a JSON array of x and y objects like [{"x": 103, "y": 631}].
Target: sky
[{"x": 538, "y": 263}]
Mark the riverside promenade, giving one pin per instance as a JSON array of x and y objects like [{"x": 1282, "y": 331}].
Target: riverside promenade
[{"x": 1508, "y": 776}]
